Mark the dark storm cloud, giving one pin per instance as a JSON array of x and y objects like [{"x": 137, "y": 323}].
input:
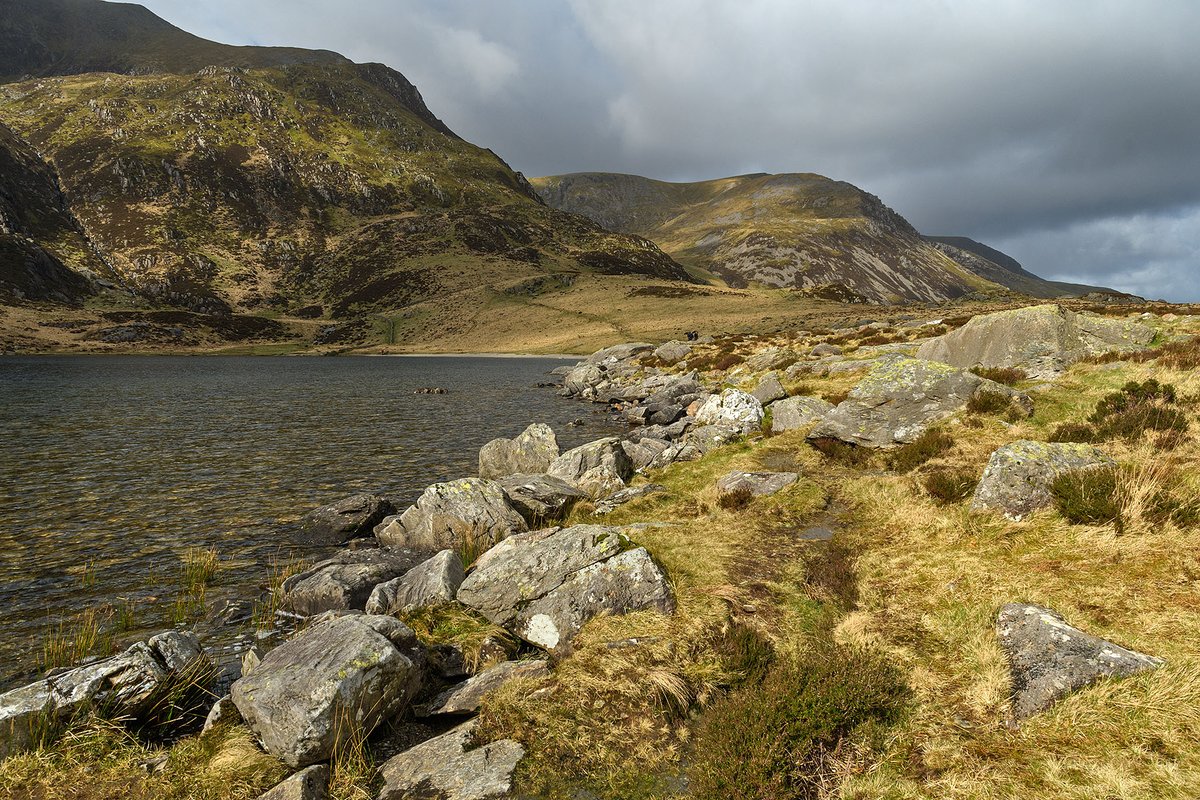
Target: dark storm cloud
[{"x": 1067, "y": 133}]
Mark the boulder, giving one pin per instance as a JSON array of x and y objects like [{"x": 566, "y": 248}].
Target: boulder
[
  {"x": 733, "y": 408},
  {"x": 344, "y": 520},
  {"x": 221, "y": 713},
  {"x": 1049, "y": 659},
  {"x": 769, "y": 390},
  {"x": 599, "y": 468},
  {"x": 345, "y": 581},
  {"x": 470, "y": 513},
  {"x": 900, "y": 397},
  {"x": 431, "y": 583},
  {"x": 672, "y": 353},
  {"x": 758, "y": 484},
  {"x": 680, "y": 451},
  {"x": 617, "y": 499},
  {"x": 448, "y": 768},
  {"x": 643, "y": 452},
  {"x": 825, "y": 349},
  {"x": 707, "y": 438},
  {"x": 541, "y": 498},
  {"x": 335, "y": 680},
  {"x": 310, "y": 783},
  {"x": 798, "y": 412},
  {"x": 531, "y": 452},
  {"x": 618, "y": 352},
  {"x": 582, "y": 379},
  {"x": 1018, "y": 476},
  {"x": 1041, "y": 340},
  {"x": 771, "y": 358},
  {"x": 467, "y": 697}
]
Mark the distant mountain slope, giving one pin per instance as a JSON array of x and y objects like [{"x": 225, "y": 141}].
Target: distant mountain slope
[
  {"x": 314, "y": 185},
  {"x": 793, "y": 230},
  {"x": 995, "y": 266}
]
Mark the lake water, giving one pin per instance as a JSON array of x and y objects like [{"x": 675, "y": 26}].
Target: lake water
[{"x": 112, "y": 467}]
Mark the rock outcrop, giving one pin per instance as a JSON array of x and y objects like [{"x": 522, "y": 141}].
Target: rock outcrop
[
  {"x": 447, "y": 768},
  {"x": 1049, "y": 659},
  {"x": 599, "y": 468},
  {"x": 733, "y": 408},
  {"x": 1018, "y": 476},
  {"x": 769, "y": 389},
  {"x": 793, "y": 413},
  {"x": 533, "y": 451},
  {"x": 468, "y": 513},
  {"x": 433, "y": 582},
  {"x": 344, "y": 520}
]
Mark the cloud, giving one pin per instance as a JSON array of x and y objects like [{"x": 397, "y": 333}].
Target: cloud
[{"x": 1037, "y": 125}]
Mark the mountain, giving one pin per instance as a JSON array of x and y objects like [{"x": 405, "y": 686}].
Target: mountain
[
  {"x": 793, "y": 230},
  {"x": 274, "y": 180},
  {"x": 993, "y": 265}
]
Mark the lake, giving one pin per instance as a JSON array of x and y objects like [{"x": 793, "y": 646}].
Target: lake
[{"x": 111, "y": 467}]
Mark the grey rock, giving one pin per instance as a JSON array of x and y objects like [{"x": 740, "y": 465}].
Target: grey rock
[
  {"x": 642, "y": 452},
  {"x": 733, "y": 408},
  {"x": 541, "y": 498},
  {"x": 222, "y": 712},
  {"x": 680, "y": 451},
  {"x": 1049, "y": 659},
  {"x": 1018, "y": 476},
  {"x": 531, "y": 452},
  {"x": 582, "y": 379},
  {"x": 824, "y": 349},
  {"x": 759, "y": 484},
  {"x": 344, "y": 520},
  {"x": 1041, "y": 340},
  {"x": 430, "y": 583},
  {"x": 310, "y": 783},
  {"x": 771, "y": 358},
  {"x": 448, "y": 768},
  {"x": 467, "y": 697},
  {"x": 900, "y": 397},
  {"x": 337, "y": 679},
  {"x": 345, "y": 581},
  {"x": 707, "y": 438},
  {"x": 599, "y": 468},
  {"x": 798, "y": 412},
  {"x": 672, "y": 353},
  {"x": 617, "y": 499},
  {"x": 467, "y": 513},
  {"x": 769, "y": 390},
  {"x": 618, "y": 352}
]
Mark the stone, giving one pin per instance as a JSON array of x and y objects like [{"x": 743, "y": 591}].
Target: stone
[
  {"x": 825, "y": 349},
  {"x": 707, "y": 438},
  {"x": 430, "y": 583},
  {"x": 733, "y": 408},
  {"x": 1018, "y": 476},
  {"x": 541, "y": 498},
  {"x": 465, "y": 514},
  {"x": 467, "y": 697},
  {"x": 337, "y": 679},
  {"x": 599, "y": 468},
  {"x": 759, "y": 484},
  {"x": 1050, "y": 659},
  {"x": 617, "y": 499},
  {"x": 672, "y": 353},
  {"x": 900, "y": 397},
  {"x": 1041, "y": 340},
  {"x": 345, "y": 581},
  {"x": 533, "y": 451},
  {"x": 643, "y": 452},
  {"x": 222, "y": 712},
  {"x": 344, "y": 520},
  {"x": 448, "y": 768},
  {"x": 582, "y": 379},
  {"x": 771, "y": 358},
  {"x": 618, "y": 352},
  {"x": 769, "y": 390},
  {"x": 798, "y": 412},
  {"x": 310, "y": 783}
]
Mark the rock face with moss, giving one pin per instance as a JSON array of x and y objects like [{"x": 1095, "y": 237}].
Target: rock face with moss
[
  {"x": 1018, "y": 476},
  {"x": 1050, "y": 659},
  {"x": 900, "y": 397},
  {"x": 1041, "y": 340}
]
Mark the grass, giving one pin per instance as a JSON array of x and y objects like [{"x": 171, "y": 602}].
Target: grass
[
  {"x": 70, "y": 641},
  {"x": 1009, "y": 376},
  {"x": 198, "y": 568},
  {"x": 930, "y": 444}
]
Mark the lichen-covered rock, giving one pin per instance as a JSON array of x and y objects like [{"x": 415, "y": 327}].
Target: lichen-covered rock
[
  {"x": 599, "y": 468},
  {"x": 769, "y": 390},
  {"x": 643, "y": 452},
  {"x": 466, "y": 697},
  {"x": 770, "y": 358},
  {"x": 733, "y": 408},
  {"x": 628, "y": 495},
  {"x": 1018, "y": 476},
  {"x": 345, "y": 581},
  {"x": 336, "y": 680},
  {"x": 759, "y": 484},
  {"x": 430, "y": 583},
  {"x": 900, "y": 397},
  {"x": 467, "y": 513},
  {"x": 1049, "y": 659},
  {"x": 1041, "y": 340},
  {"x": 533, "y": 451},
  {"x": 672, "y": 353},
  {"x": 310, "y": 783},
  {"x": 444, "y": 768},
  {"x": 344, "y": 520},
  {"x": 798, "y": 412},
  {"x": 541, "y": 499}
]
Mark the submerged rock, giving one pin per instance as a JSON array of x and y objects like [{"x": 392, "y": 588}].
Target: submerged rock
[
  {"x": 344, "y": 520},
  {"x": 1018, "y": 476},
  {"x": 466, "y": 514},
  {"x": 447, "y": 767},
  {"x": 533, "y": 451}
]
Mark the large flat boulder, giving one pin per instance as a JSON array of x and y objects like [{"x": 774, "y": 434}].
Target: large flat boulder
[
  {"x": 1018, "y": 476},
  {"x": 337, "y": 680},
  {"x": 541, "y": 499},
  {"x": 798, "y": 412},
  {"x": 1041, "y": 340},
  {"x": 732, "y": 408},
  {"x": 1050, "y": 659},
  {"x": 759, "y": 484},
  {"x": 900, "y": 397},
  {"x": 447, "y": 767},
  {"x": 769, "y": 389},
  {"x": 430, "y": 583},
  {"x": 345, "y": 581},
  {"x": 465, "y": 514},
  {"x": 599, "y": 468},
  {"x": 348, "y": 518},
  {"x": 672, "y": 353},
  {"x": 467, "y": 697},
  {"x": 533, "y": 451}
]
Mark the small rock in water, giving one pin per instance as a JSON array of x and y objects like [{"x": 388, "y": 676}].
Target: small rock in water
[{"x": 429, "y": 390}]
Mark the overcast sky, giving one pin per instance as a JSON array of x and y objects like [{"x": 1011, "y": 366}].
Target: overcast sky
[{"x": 1064, "y": 133}]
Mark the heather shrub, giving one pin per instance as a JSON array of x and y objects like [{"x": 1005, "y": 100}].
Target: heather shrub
[{"x": 930, "y": 444}]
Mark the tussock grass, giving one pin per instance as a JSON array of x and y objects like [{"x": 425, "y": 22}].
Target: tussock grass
[
  {"x": 72, "y": 640},
  {"x": 457, "y": 625}
]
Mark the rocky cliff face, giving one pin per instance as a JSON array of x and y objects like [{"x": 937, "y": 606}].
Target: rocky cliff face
[
  {"x": 990, "y": 264},
  {"x": 797, "y": 230}
]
